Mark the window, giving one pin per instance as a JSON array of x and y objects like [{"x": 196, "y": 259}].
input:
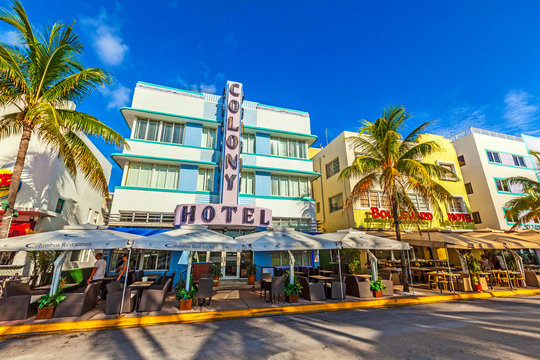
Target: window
[
  {"x": 59, "y": 206},
  {"x": 468, "y": 188},
  {"x": 510, "y": 216},
  {"x": 208, "y": 138},
  {"x": 290, "y": 186},
  {"x": 335, "y": 203},
  {"x": 461, "y": 160},
  {"x": 247, "y": 183},
  {"x": 449, "y": 167},
  {"x": 146, "y": 129},
  {"x": 248, "y": 143},
  {"x": 301, "y": 258},
  {"x": 172, "y": 133},
  {"x": 205, "y": 180},
  {"x": 476, "y": 217},
  {"x": 6, "y": 257},
  {"x": 419, "y": 202},
  {"x": 152, "y": 175},
  {"x": 318, "y": 205},
  {"x": 457, "y": 205},
  {"x": 288, "y": 147},
  {"x": 502, "y": 185},
  {"x": 332, "y": 168},
  {"x": 494, "y": 157},
  {"x": 154, "y": 260},
  {"x": 519, "y": 161}
]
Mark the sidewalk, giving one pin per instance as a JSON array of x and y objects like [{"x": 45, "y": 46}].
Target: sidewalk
[{"x": 229, "y": 304}]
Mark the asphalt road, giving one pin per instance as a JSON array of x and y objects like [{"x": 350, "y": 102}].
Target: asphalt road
[{"x": 504, "y": 328}]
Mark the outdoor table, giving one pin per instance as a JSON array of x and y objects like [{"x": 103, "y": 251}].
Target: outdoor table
[
  {"x": 325, "y": 272},
  {"x": 48, "y": 287},
  {"x": 299, "y": 273},
  {"x": 139, "y": 286},
  {"x": 152, "y": 276},
  {"x": 364, "y": 276}
]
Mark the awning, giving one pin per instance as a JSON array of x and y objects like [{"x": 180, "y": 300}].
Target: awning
[
  {"x": 282, "y": 239},
  {"x": 355, "y": 239},
  {"x": 514, "y": 240}
]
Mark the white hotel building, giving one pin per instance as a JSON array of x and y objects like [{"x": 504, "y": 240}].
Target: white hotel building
[
  {"x": 174, "y": 157},
  {"x": 486, "y": 159}
]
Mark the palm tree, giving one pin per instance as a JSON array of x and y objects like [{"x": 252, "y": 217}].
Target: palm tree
[
  {"x": 394, "y": 163},
  {"x": 525, "y": 208},
  {"x": 40, "y": 77}
]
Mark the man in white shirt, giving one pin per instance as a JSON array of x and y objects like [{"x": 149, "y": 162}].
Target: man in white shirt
[{"x": 99, "y": 270}]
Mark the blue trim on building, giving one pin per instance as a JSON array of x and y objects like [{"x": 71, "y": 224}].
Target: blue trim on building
[
  {"x": 164, "y": 190},
  {"x": 193, "y": 135},
  {"x": 188, "y": 178},
  {"x": 180, "y": 161},
  {"x": 262, "y": 143},
  {"x": 262, "y": 183}
]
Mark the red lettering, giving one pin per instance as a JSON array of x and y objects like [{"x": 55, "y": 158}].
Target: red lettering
[
  {"x": 384, "y": 214},
  {"x": 468, "y": 218},
  {"x": 429, "y": 216},
  {"x": 375, "y": 213}
]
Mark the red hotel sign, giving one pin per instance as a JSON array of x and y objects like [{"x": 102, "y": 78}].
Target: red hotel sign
[{"x": 376, "y": 213}]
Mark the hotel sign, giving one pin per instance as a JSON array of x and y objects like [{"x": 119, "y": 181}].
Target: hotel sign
[
  {"x": 377, "y": 213},
  {"x": 227, "y": 212}
]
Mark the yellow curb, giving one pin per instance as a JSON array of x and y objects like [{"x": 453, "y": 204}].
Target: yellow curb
[{"x": 124, "y": 322}]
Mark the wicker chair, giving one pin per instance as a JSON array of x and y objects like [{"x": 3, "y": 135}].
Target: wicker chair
[
  {"x": 114, "y": 299},
  {"x": 277, "y": 288},
  {"x": 311, "y": 291},
  {"x": 204, "y": 290},
  {"x": 153, "y": 298},
  {"x": 361, "y": 289},
  {"x": 78, "y": 303},
  {"x": 15, "y": 303}
]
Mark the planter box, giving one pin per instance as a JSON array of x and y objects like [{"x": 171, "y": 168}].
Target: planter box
[
  {"x": 185, "y": 304},
  {"x": 477, "y": 288},
  {"x": 45, "y": 313},
  {"x": 251, "y": 279},
  {"x": 292, "y": 298},
  {"x": 377, "y": 293}
]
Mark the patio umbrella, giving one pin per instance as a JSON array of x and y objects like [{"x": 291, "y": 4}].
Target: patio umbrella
[
  {"x": 355, "y": 239},
  {"x": 285, "y": 239},
  {"x": 76, "y": 237},
  {"x": 189, "y": 238}
]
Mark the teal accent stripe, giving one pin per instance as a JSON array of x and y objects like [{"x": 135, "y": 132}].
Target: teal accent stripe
[
  {"x": 115, "y": 155},
  {"x": 281, "y": 170},
  {"x": 170, "y": 88},
  {"x": 282, "y": 108},
  {"x": 171, "y": 144},
  {"x": 275, "y": 131},
  {"x": 276, "y": 197},
  {"x": 164, "y": 190},
  {"x": 512, "y": 166},
  {"x": 277, "y": 157}
]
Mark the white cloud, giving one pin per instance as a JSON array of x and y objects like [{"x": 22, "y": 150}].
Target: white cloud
[
  {"x": 458, "y": 119},
  {"x": 201, "y": 87},
  {"x": 107, "y": 39},
  {"x": 518, "y": 111},
  {"x": 9, "y": 37},
  {"x": 117, "y": 96}
]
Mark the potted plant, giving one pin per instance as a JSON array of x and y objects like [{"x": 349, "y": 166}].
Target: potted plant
[
  {"x": 216, "y": 271},
  {"x": 377, "y": 287},
  {"x": 251, "y": 271},
  {"x": 47, "y": 303},
  {"x": 474, "y": 268},
  {"x": 185, "y": 296},
  {"x": 292, "y": 291}
]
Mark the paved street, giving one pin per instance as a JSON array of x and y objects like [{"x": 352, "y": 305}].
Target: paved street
[{"x": 504, "y": 328}]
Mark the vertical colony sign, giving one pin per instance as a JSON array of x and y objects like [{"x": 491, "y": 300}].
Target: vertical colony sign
[
  {"x": 228, "y": 212},
  {"x": 230, "y": 167}
]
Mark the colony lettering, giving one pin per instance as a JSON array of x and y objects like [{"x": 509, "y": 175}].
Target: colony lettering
[
  {"x": 376, "y": 213},
  {"x": 231, "y": 143},
  {"x": 228, "y": 212}
]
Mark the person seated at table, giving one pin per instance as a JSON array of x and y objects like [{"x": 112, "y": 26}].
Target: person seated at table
[
  {"x": 496, "y": 263},
  {"x": 100, "y": 267},
  {"x": 486, "y": 266},
  {"x": 122, "y": 268}
]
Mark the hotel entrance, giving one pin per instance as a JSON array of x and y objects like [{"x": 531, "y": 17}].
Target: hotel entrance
[{"x": 233, "y": 264}]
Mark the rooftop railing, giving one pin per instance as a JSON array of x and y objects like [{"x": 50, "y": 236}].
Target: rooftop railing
[{"x": 484, "y": 132}]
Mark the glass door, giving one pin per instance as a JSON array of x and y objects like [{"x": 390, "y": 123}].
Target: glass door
[{"x": 231, "y": 262}]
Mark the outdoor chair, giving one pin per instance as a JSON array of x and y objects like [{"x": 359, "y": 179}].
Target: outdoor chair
[
  {"x": 335, "y": 290},
  {"x": 311, "y": 291},
  {"x": 78, "y": 303},
  {"x": 15, "y": 303},
  {"x": 361, "y": 289},
  {"x": 502, "y": 278},
  {"x": 153, "y": 298},
  {"x": 132, "y": 277},
  {"x": 277, "y": 288},
  {"x": 532, "y": 279},
  {"x": 114, "y": 299},
  {"x": 266, "y": 283},
  {"x": 204, "y": 291}
]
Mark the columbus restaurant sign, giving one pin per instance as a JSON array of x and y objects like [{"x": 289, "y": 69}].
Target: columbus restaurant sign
[{"x": 227, "y": 212}]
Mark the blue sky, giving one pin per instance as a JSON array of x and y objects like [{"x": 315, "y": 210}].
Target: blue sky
[{"x": 459, "y": 63}]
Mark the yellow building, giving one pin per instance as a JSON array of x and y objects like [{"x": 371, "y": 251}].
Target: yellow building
[{"x": 371, "y": 211}]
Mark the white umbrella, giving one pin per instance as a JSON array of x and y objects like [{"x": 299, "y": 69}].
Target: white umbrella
[
  {"x": 189, "y": 238},
  {"x": 285, "y": 239},
  {"x": 355, "y": 239},
  {"x": 77, "y": 237}
]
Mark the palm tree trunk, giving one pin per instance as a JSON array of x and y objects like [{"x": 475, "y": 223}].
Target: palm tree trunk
[
  {"x": 15, "y": 181},
  {"x": 404, "y": 277}
]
